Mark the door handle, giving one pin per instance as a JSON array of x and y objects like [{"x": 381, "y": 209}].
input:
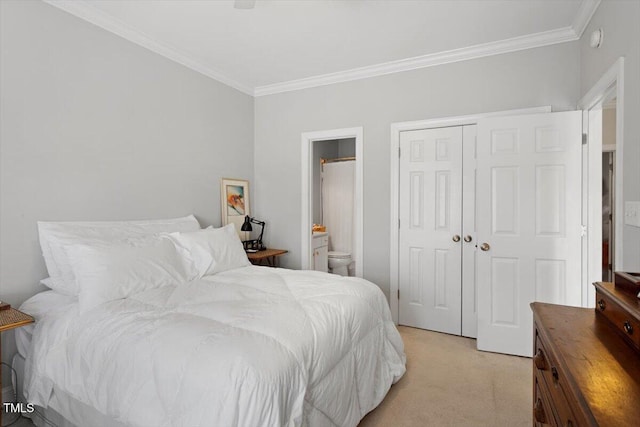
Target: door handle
[
  {"x": 468, "y": 238},
  {"x": 456, "y": 238},
  {"x": 485, "y": 247}
]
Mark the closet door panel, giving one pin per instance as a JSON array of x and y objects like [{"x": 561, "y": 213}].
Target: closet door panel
[{"x": 430, "y": 216}]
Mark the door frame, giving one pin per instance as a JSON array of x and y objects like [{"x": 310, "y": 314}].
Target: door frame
[
  {"x": 308, "y": 138},
  {"x": 396, "y": 128},
  {"x": 611, "y": 82}
]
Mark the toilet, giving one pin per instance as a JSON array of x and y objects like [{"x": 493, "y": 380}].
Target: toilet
[{"x": 339, "y": 262}]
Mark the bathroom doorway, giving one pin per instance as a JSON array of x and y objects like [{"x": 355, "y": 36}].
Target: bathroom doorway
[{"x": 332, "y": 201}]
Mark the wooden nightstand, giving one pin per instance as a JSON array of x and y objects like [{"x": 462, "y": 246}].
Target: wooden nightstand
[
  {"x": 268, "y": 257},
  {"x": 10, "y": 319}
]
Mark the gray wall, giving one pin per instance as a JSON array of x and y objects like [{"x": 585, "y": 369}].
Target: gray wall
[
  {"x": 544, "y": 76},
  {"x": 621, "y": 23},
  {"x": 609, "y": 126},
  {"x": 94, "y": 127}
]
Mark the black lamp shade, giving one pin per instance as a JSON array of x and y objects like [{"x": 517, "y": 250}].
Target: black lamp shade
[{"x": 246, "y": 225}]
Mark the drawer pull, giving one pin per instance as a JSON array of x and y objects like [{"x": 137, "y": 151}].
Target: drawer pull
[
  {"x": 554, "y": 373},
  {"x": 538, "y": 412},
  {"x": 628, "y": 328},
  {"x": 539, "y": 360},
  {"x": 602, "y": 305}
]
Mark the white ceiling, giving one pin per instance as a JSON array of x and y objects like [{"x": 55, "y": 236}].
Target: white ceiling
[{"x": 264, "y": 49}]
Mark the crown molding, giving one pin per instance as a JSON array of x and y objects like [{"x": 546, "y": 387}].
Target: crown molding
[
  {"x": 91, "y": 14},
  {"x": 584, "y": 15},
  {"x": 530, "y": 41}
]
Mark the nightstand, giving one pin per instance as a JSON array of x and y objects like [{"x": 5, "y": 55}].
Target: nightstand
[
  {"x": 10, "y": 319},
  {"x": 268, "y": 257}
]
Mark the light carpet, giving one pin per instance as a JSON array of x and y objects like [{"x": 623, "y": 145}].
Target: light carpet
[{"x": 450, "y": 383}]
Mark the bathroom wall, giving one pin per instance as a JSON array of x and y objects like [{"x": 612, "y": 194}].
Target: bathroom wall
[
  {"x": 347, "y": 147},
  {"x": 327, "y": 150}
]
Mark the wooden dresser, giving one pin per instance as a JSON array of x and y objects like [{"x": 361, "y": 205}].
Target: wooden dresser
[{"x": 585, "y": 370}]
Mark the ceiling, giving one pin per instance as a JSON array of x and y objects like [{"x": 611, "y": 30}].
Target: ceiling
[{"x": 287, "y": 45}]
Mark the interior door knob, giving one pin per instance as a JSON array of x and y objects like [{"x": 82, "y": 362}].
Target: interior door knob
[
  {"x": 468, "y": 238},
  {"x": 485, "y": 247},
  {"x": 456, "y": 238}
]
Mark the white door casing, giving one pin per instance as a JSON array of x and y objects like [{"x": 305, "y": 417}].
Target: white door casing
[
  {"x": 529, "y": 213},
  {"x": 307, "y": 139},
  {"x": 430, "y": 217}
]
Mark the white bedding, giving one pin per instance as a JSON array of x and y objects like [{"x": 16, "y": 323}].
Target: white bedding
[
  {"x": 252, "y": 346},
  {"x": 39, "y": 306}
]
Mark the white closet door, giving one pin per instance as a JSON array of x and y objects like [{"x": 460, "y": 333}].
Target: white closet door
[
  {"x": 430, "y": 217},
  {"x": 528, "y": 205},
  {"x": 469, "y": 250}
]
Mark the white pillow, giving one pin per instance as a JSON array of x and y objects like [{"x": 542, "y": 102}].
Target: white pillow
[
  {"x": 211, "y": 250},
  {"x": 56, "y": 237},
  {"x": 107, "y": 273}
]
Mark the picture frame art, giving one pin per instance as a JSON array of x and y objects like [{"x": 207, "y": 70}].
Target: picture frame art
[{"x": 234, "y": 201}]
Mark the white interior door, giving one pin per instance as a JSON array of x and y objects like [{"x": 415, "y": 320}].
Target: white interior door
[
  {"x": 528, "y": 203},
  {"x": 430, "y": 229}
]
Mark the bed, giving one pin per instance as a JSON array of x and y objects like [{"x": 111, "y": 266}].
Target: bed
[{"x": 246, "y": 346}]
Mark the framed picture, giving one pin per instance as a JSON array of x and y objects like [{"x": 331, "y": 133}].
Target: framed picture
[{"x": 234, "y": 201}]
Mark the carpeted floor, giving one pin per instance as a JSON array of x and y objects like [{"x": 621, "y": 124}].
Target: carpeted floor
[{"x": 449, "y": 383}]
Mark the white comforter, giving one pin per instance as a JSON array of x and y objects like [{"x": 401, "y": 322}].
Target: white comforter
[{"x": 250, "y": 347}]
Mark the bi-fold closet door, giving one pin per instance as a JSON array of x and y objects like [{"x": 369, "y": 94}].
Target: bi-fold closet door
[
  {"x": 490, "y": 221},
  {"x": 437, "y": 253}
]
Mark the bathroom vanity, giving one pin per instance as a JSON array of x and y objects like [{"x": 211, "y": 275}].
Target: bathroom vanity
[{"x": 320, "y": 254}]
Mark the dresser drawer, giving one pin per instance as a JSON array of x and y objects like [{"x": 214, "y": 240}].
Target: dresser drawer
[
  {"x": 554, "y": 380},
  {"x": 627, "y": 325},
  {"x": 542, "y": 413}
]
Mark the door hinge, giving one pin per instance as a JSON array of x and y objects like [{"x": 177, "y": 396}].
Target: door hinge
[
  {"x": 398, "y": 293},
  {"x": 584, "y": 139},
  {"x": 398, "y": 152},
  {"x": 583, "y": 231},
  {"x": 398, "y": 223}
]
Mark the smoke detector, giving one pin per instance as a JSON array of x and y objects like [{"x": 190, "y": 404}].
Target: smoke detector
[{"x": 596, "y": 38}]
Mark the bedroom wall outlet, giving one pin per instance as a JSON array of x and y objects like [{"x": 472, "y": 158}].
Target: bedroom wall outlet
[{"x": 632, "y": 213}]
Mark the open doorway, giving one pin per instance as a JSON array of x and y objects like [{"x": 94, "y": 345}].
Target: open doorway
[
  {"x": 333, "y": 237},
  {"x": 332, "y": 220},
  {"x": 603, "y": 114},
  {"x": 608, "y": 187}
]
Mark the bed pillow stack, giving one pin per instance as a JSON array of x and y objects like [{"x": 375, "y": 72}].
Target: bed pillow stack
[
  {"x": 103, "y": 261},
  {"x": 111, "y": 272},
  {"x": 57, "y": 237},
  {"x": 106, "y": 261},
  {"x": 210, "y": 251}
]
